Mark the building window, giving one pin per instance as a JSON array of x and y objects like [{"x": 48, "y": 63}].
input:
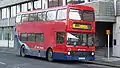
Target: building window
[
  {"x": 75, "y": 1},
  {"x": 29, "y": 6},
  {"x": 8, "y": 12},
  {"x": 24, "y": 7},
  {"x": 5, "y": 33},
  {"x": 44, "y": 4},
  {"x": 51, "y": 15},
  {"x": 13, "y": 11},
  {"x": 53, "y": 3},
  {"x": 92, "y": 0},
  {"x": 18, "y": 8},
  {"x": 60, "y": 37},
  {"x": 4, "y": 13},
  {"x": 1, "y": 32},
  {"x": 60, "y": 2},
  {"x": 62, "y": 14},
  {"x": 12, "y": 33},
  {"x": 8, "y": 33},
  {"x": 38, "y": 4}
]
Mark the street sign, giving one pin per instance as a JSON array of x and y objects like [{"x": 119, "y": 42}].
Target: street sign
[{"x": 107, "y": 32}]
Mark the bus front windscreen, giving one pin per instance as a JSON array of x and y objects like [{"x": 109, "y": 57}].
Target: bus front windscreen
[
  {"x": 80, "y": 39},
  {"x": 88, "y": 15},
  {"x": 77, "y": 14}
]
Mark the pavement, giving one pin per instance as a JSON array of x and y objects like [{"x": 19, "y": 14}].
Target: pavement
[
  {"x": 101, "y": 57},
  {"x": 7, "y": 50}
]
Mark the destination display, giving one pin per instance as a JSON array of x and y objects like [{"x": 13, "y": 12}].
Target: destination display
[{"x": 81, "y": 26}]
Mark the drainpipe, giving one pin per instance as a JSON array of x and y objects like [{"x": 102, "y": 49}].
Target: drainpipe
[{"x": 115, "y": 7}]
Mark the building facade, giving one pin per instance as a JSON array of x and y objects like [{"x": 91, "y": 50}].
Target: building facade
[
  {"x": 105, "y": 18},
  {"x": 116, "y": 30},
  {"x": 104, "y": 12}
]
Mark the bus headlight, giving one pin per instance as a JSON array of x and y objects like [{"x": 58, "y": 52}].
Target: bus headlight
[
  {"x": 93, "y": 53},
  {"x": 68, "y": 53}
]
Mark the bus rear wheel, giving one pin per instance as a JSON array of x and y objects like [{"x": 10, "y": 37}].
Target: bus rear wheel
[
  {"x": 50, "y": 55},
  {"x": 22, "y": 51}
]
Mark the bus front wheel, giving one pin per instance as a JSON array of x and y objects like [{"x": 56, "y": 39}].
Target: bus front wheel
[
  {"x": 50, "y": 55},
  {"x": 22, "y": 51}
]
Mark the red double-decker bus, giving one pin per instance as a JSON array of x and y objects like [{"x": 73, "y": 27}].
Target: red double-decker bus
[{"x": 59, "y": 33}]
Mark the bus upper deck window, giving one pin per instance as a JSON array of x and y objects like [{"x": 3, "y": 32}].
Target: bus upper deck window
[
  {"x": 88, "y": 15},
  {"x": 51, "y": 15},
  {"x": 25, "y": 17},
  {"x": 61, "y": 14},
  {"x": 18, "y": 18},
  {"x": 40, "y": 18},
  {"x": 75, "y": 14},
  {"x": 33, "y": 17},
  {"x": 43, "y": 16}
]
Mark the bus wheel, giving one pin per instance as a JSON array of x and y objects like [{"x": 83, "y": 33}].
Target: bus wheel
[
  {"x": 22, "y": 51},
  {"x": 50, "y": 55}
]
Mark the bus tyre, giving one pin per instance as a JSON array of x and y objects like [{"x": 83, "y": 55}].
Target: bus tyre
[
  {"x": 50, "y": 55},
  {"x": 22, "y": 51}
]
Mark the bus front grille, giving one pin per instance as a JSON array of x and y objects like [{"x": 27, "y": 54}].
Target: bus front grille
[{"x": 81, "y": 54}]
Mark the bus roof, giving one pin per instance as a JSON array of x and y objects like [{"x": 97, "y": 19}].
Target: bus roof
[{"x": 82, "y": 7}]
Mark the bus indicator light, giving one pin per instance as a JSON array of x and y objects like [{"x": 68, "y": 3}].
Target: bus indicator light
[{"x": 107, "y": 32}]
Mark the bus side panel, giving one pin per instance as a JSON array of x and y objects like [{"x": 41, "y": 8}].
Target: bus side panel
[
  {"x": 28, "y": 50},
  {"x": 37, "y": 53}
]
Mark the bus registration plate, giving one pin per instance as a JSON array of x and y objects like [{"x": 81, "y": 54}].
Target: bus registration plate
[{"x": 81, "y": 58}]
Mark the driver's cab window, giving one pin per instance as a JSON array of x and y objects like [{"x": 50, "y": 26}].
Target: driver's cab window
[
  {"x": 60, "y": 37},
  {"x": 71, "y": 39}
]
